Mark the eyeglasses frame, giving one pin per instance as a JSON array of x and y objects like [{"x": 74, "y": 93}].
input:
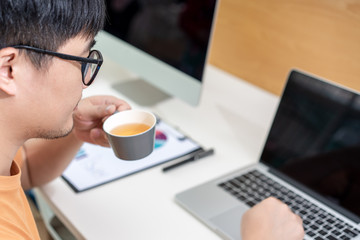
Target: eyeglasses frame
[{"x": 69, "y": 57}]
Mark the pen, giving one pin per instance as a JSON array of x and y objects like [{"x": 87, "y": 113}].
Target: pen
[{"x": 194, "y": 157}]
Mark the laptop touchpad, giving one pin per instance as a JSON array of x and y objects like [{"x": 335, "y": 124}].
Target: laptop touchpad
[{"x": 228, "y": 223}]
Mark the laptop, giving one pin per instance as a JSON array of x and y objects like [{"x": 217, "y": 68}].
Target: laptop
[{"x": 310, "y": 161}]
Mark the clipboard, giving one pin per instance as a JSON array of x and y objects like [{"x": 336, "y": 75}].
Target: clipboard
[{"x": 94, "y": 165}]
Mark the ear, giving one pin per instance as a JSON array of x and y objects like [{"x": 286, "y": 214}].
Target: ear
[{"x": 8, "y": 57}]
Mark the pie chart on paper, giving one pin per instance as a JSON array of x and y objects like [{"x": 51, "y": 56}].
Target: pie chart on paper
[{"x": 160, "y": 139}]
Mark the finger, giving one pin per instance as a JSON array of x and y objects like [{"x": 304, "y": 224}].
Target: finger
[
  {"x": 120, "y": 104},
  {"x": 123, "y": 107},
  {"x": 112, "y": 109},
  {"x": 300, "y": 229},
  {"x": 299, "y": 219},
  {"x": 90, "y": 116},
  {"x": 95, "y": 112},
  {"x": 99, "y": 137}
]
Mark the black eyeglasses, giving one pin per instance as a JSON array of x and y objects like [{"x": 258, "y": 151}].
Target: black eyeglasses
[{"x": 92, "y": 62}]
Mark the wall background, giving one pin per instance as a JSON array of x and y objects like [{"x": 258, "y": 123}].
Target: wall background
[{"x": 261, "y": 40}]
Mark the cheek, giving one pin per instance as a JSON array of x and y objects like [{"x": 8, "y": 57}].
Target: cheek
[
  {"x": 67, "y": 86},
  {"x": 54, "y": 92},
  {"x": 68, "y": 77}
]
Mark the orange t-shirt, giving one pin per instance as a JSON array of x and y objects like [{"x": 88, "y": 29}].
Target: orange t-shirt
[{"x": 16, "y": 219}]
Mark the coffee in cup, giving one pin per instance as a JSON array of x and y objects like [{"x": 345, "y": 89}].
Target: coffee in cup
[
  {"x": 131, "y": 133},
  {"x": 130, "y": 129}
]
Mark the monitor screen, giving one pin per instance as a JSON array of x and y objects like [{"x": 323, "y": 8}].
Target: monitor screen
[{"x": 164, "y": 42}]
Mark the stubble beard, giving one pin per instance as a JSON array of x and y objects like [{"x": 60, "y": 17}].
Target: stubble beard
[{"x": 55, "y": 134}]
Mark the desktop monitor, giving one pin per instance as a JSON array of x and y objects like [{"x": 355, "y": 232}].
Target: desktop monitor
[{"x": 163, "y": 42}]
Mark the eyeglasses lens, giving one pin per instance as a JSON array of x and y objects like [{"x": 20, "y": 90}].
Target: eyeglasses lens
[{"x": 89, "y": 69}]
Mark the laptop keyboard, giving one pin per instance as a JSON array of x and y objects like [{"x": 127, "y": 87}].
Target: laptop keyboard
[{"x": 253, "y": 187}]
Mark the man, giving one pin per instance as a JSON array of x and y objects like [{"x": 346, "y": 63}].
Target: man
[{"x": 45, "y": 62}]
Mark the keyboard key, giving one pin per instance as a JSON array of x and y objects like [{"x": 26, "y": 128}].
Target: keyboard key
[
  {"x": 310, "y": 233},
  {"x": 339, "y": 225},
  {"x": 336, "y": 232},
  {"x": 350, "y": 232},
  {"x": 327, "y": 227},
  {"x": 241, "y": 198},
  {"x": 313, "y": 210},
  {"x": 320, "y": 222},
  {"x": 235, "y": 184},
  {"x": 330, "y": 220},
  {"x": 344, "y": 237},
  {"x": 306, "y": 222},
  {"x": 314, "y": 227},
  {"x": 250, "y": 203},
  {"x": 311, "y": 217}
]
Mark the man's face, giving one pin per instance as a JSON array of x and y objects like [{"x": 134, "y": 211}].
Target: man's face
[{"x": 54, "y": 91}]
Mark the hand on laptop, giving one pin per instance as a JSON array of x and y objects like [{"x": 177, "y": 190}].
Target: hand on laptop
[{"x": 271, "y": 219}]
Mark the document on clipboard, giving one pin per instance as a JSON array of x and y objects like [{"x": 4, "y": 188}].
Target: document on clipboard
[{"x": 95, "y": 165}]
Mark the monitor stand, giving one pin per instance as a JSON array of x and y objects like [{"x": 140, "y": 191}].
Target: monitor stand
[{"x": 141, "y": 92}]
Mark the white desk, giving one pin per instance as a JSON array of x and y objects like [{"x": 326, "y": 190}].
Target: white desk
[{"x": 233, "y": 117}]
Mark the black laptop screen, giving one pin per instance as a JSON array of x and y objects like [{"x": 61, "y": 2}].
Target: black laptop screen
[{"x": 315, "y": 139}]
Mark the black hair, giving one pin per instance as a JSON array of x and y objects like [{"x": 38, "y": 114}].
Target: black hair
[{"x": 48, "y": 24}]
